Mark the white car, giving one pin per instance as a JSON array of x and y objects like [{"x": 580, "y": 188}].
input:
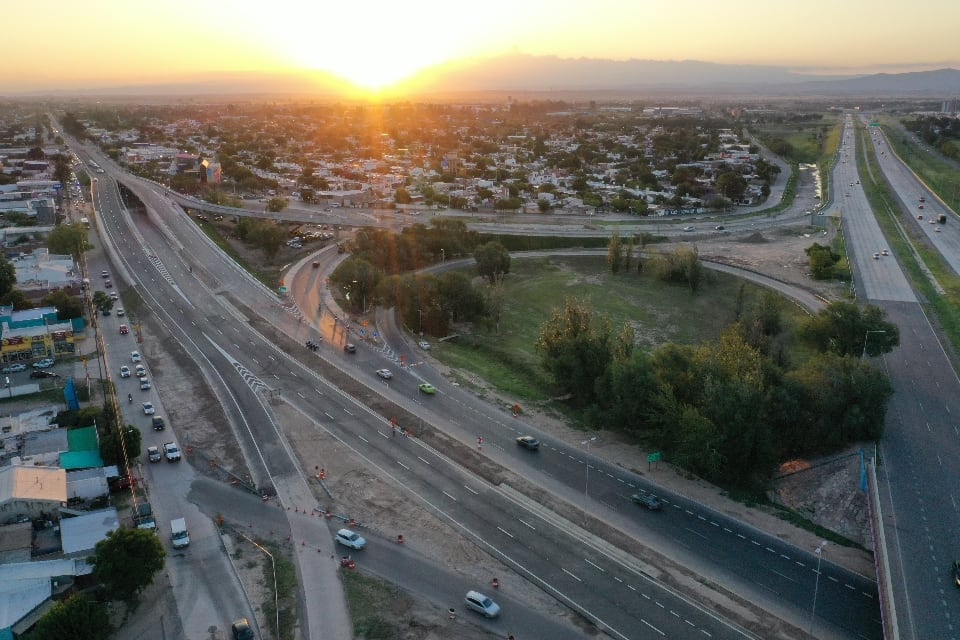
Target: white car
[
  {"x": 148, "y": 409},
  {"x": 386, "y": 374},
  {"x": 171, "y": 451},
  {"x": 350, "y": 539},
  {"x": 140, "y": 370},
  {"x": 144, "y": 384},
  {"x": 135, "y": 356},
  {"x": 423, "y": 344},
  {"x": 481, "y": 604},
  {"x": 14, "y": 368},
  {"x": 688, "y": 228},
  {"x": 153, "y": 454},
  {"x": 124, "y": 371}
]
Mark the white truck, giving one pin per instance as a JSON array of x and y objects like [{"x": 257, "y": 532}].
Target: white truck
[{"x": 179, "y": 534}]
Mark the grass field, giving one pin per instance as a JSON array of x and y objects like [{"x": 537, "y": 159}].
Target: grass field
[{"x": 659, "y": 313}]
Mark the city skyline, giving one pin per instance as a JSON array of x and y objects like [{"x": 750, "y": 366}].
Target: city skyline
[{"x": 377, "y": 45}]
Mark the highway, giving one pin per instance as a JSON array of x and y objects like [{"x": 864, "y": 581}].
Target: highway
[
  {"x": 920, "y": 450},
  {"x": 208, "y": 316}
]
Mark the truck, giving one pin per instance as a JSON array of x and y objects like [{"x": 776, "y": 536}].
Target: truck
[
  {"x": 942, "y": 218},
  {"x": 179, "y": 534},
  {"x": 143, "y": 517}
]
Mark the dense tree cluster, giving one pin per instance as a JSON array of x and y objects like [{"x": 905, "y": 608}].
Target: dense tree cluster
[
  {"x": 727, "y": 411},
  {"x": 940, "y": 132}
]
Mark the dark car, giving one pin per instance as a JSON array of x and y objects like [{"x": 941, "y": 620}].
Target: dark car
[
  {"x": 647, "y": 500},
  {"x": 123, "y": 483},
  {"x": 528, "y": 442},
  {"x": 956, "y": 572},
  {"x": 241, "y": 630},
  {"x": 42, "y": 373},
  {"x": 158, "y": 423}
]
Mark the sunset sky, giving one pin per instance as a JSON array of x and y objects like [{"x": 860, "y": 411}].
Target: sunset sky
[{"x": 63, "y": 44}]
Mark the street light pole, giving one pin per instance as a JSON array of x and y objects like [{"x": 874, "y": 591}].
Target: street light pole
[
  {"x": 816, "y": 585},
  {"x": 865, "y": 337},
  {"x": 586, "y": 486}
]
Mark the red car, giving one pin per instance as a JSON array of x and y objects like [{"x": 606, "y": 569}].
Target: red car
[{"x": 124, "y": 329}]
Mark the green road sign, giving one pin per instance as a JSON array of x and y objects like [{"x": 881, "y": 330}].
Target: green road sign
[{"x": 653, "y": 457}]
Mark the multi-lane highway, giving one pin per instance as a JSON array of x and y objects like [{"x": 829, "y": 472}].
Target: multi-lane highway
[{"x": 205, "y": 309}]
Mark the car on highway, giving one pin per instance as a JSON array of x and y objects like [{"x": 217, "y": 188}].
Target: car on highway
[
  {"x": 921, "y": 207},
  {"x": 121, "y": 313},
  {"x": 648, "y": 501},
  {"x": 528, "y": 442},
  {"x": 480, "y": 603},
  {"x": 105, "y": 311},
  {"x": 350, "y": 347},
  {"x": 158, "y": 423},
  {"x": 125, "y": 371},
  {"x": 140, "y": 371},
  {"x": 104, "y": 274},
  {"x": 153, "y": 454},
  {"x": 14, "y": 368},
  {"x": 350, "y": 539},
  {"x": 423, "y": 344},
  {"x": 427, "y": 388},
  {"x": 688, "y": 228},
  {"x": 108, "y": 283},
  {"x": 46, "y": 363},
  {"x": 885, "y": 252},
  {"x": 135, "y": 356},
  {"x": 386, "y": 374},
  {"x": 241, "y": 630},
  {"x": 42, "y": 373},
  {"x": 171, "y": 451},
  {"x": 148, "y": 409},
  {"x": 876, "y": 255},
  {"x": 145, "y": 384},
  {"x": 124, "y": 329},
  {"x": 719, "y": 227},
  {"x": 114, "y": 295}
]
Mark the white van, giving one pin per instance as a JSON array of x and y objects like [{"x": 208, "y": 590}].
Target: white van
[{"x": 179, "y": 533}]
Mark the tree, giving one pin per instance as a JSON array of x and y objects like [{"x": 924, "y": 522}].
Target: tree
[
  {"x": 126, "y": 561},
  {"x": 576, "y": 349},
  {"x": 732, "y": 185},
  {"x": 822, "y": 260},
  {"x": 76, "y": 618},
  {"x": 615, "y": 253},
  {"x": 68, "y": 240},
  {"x": 8, "y": 276},
  {"x": 276, "y": 204},
  {"x": 402, "y": 196},
  {"x": 543, "y": 204},
  {"x": 270, "y": 237},
  {"x": 847, "y": 329},
  {"x": 493, "y": 260},
  {"x": 112, "y": 446},
  {"x": 68, "y": 306}
]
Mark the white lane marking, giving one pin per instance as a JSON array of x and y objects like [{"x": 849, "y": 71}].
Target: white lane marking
[
  {"x": 473, "y": 491},
  {"x": 449, "y": 496},
  {"x": 364, "y": 439},
  {"x": 505, "y": 532},
  {"x": 571, "y": 575},
  {"x": 403, "y": 465},
  {"x": 595, "y": 566},
  {"x": 527, "y": 524}
]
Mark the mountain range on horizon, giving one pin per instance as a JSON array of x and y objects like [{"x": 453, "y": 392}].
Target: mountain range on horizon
[{"x": 524, "y": 74}]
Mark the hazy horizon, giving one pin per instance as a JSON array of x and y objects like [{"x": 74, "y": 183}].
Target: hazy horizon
[{"x": 381, "y": 45}]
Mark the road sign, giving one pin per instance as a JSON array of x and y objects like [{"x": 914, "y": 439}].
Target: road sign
[
  {"x": 653, "y": 457},
  {"x": 282, "y": 289}
]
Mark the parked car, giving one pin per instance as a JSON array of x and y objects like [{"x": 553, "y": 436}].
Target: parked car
[
  {"x": 171, "y": 451},
  {"x": 428, "y": 389},
  {"x": 153, "y": 454},
  {"x": 423, "y": 344},
  {"x": 480, "y": 603},
  {"x": 647, "y": 500},
  {"x": 41, "y": 373},
  {"x": 46, "y": 363},
  {"x": 14, "y": 368},
  {"x": 386, "y": 374},
  {"x": 148, "y": 409},
  {"x": 528, "y": 442},
  {"x": 125, "y": 371},
  {"x": 350, "y": 539}
]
